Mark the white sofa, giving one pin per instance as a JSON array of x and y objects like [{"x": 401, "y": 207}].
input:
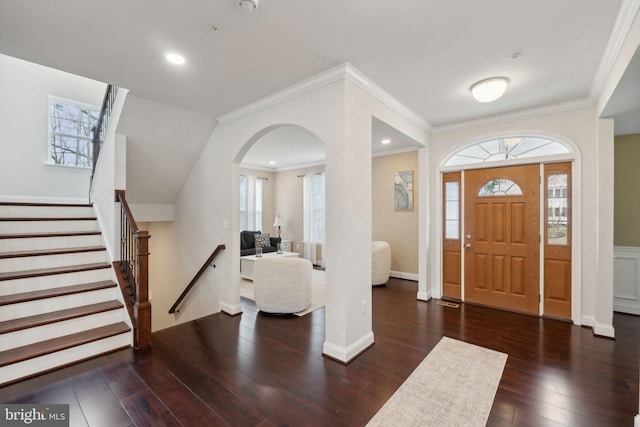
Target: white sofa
[
  {"x": 380, "y": 262},
  {"x": 282, "y": 284}
]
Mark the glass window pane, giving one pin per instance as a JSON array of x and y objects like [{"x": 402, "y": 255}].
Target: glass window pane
[
  {"x": 500, "y": 187},
  {"x": 451, "y": 230},
  {"x": 557, "y": 202},
  {"x": 514, "y": 147},
  {"x": 452, "y": 191},
  {"x": 451, "y": 210},
  {"x": 70, "y": 133}
]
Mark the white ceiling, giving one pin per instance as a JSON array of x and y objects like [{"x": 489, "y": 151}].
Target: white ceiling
[{"x": 424, "y": 53}]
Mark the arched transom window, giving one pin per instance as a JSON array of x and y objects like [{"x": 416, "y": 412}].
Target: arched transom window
[{"x": 515, "y": 147}]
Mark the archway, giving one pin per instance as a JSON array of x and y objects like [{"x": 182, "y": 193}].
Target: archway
[{"x": 280, "y": 175}]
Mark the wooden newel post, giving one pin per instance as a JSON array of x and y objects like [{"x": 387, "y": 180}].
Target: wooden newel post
[{"x": 141, "y": 306}]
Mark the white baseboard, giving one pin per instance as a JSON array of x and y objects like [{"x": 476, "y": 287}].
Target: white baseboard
[
  {"x": 345, "y": 355},
  {"x": 588, "y": 321},
  {"x": 604, "y": 330},
  {"x": 230, "y": 309},
  {"x": 626, "y": 308},
  {"x": 424, "y": 296},
  {"x": 403, "y": 275}
]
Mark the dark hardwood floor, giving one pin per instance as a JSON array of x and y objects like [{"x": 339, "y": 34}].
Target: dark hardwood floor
[{"x": 260, "y": 370}]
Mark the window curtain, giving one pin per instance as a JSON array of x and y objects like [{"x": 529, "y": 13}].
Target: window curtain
[
  {"x": 314, "y": 218},
  {"x": 250, "y": 203}
]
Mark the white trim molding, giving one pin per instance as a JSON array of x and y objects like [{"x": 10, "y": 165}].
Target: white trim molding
[
  {"x": 230, "y": 309},
  {"x": 344, "y": 71},
  {"x": 636, "y": 421},
  {"x": 403, "y": 275},
  {"x": 626, "y": 279},
  {"x": 626, "y": 15},
  {"x": 424, "y": 296},
  {"x": 604, "y": 330},
  {"x": 518, "y": 115},
  {"x": 345, "y": 355}
]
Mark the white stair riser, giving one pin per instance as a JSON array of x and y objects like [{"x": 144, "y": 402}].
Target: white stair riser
[
  {"x": 37, "y": 243},
  {"x": 26, "y": 227},
  {"x": 46, "y": 305},
  {"x": 64, "y": 357},
  {"x": 50, "y": 261},
  {"x": 58, "y": 329},
  {"x": 45, "y": 211},
  {"x": 18, "y": 286}
]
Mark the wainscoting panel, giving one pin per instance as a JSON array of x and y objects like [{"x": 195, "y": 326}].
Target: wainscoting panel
[{"x": 626, "y": 279}]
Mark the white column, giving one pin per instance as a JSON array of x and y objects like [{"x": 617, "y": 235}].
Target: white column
[
  {"x": 348, "y": 233},
  {"x": 604, "y": 285}
]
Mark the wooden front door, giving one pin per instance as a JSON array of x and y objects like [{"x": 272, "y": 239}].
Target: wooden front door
[{"x": 502, "y": 237}]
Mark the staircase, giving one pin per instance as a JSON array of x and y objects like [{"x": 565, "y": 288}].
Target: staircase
[{"x": 58, "y": 301}]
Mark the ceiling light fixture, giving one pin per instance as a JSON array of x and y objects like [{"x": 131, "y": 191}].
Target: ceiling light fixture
[
  {"x": 490, "y": 89},
  {"x": 272, "y": 162},
  {"x": 174, "y": 58},
  {"x": 248, "y": 6},
  {"x": 386, "y": 141}
]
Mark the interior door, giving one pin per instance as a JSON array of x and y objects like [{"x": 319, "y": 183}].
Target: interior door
[{"x": 502, "y": 237}]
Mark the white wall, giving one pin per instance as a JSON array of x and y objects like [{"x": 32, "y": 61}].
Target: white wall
[
  {"x": 594, "y": 140},
  {"x": 110, "y": 176},
  {"x": 24, "y": 120},
  {"x": 339, "y": 113}
]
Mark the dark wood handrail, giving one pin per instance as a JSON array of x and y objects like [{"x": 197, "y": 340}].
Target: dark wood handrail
[
  {"x": 193, "y": 281},
  {"x": 101, "y": 126},
  {"x": 120, "y": 197}
]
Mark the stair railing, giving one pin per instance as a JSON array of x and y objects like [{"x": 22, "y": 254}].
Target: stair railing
[
  {"x": 103, "y": 122},
  {"x": 134, "y": 267},
  {"x": 207, "y": 263}
]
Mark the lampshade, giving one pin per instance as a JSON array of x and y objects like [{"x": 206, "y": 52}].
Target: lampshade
[
  {"x": 278, "y": 222},
  {"x": 490, "y": 89}
]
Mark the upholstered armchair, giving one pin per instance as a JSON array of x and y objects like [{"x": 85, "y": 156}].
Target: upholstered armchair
[
  {"x": 282, "y": 284},
  {"x": 380, "y": 262}
]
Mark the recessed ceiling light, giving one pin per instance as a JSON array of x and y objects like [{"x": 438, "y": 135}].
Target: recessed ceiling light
[
  {"x": 174, "y": 58},
  {"x": 272, "y": 162},
  {"x": 490, "y": 89},
  {"x": 386, "y": 141}
]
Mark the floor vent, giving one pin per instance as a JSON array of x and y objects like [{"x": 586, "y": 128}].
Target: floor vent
[{"x": 448, "y": 304}]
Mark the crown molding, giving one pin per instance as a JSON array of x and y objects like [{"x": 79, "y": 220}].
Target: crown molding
[
  {"x": 283, "y": 168},
  {"x": 396, "y": 151},
  {"x": 344, "y": 71},
  {"x": 518, "y": 115},
  {"x": 366, "y": 84},
  {"x": 626, "y": 15}
]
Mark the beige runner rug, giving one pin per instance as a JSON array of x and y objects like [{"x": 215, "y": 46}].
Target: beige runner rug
[{"x": 453, "y": 386}]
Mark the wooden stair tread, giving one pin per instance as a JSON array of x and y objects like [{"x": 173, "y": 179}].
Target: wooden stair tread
[
  {"x": 72, "y": 205},
  {"x": 53, "y": 345},
  {"x": 55, "y": 292},
  {"x": 58, "y": 316},
  {"x": 33, "y": 219},
  {"x": 49, "y": 234},
  {"x": 51, "y": 271},
  {"x": 42, "y": 252}
]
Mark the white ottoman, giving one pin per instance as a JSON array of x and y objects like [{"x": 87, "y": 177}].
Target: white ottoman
[
  {"x": 282, "y": 284},
  {"x": 380, "y": 262}
]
